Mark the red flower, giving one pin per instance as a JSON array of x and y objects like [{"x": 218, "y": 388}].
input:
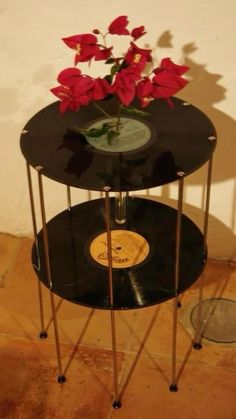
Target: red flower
[
  {"x": 85, "y": 46},
  {"x": 136, "y": 33},
  {"x": 118, "y": 26},
  {"x": 144, "y": 91},
  {"x": 63, "y": 93},
  {"x": 167, "y": 80},
  {"x": 74, "y": 92},
  {"x": 99, "y": 89},
  {"x": 170, "y": 66},
  {"x": 78, "y": 90},
  {"x": 103, "y": 54},
  {"x": 67, "y": 77},
  {"x": 124, "y": 86},
  {"x": 126, "y": 77},
  {"x": 137, "y": 57}
]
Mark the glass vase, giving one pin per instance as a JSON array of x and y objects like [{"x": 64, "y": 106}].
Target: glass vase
[{"x": 121, "y": 207}]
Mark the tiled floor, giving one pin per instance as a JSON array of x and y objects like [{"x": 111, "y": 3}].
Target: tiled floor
[{"x": 29, "y": 388}]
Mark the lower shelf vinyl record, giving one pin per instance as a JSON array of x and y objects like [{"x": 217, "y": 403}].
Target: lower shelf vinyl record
[{"x": 78, "y": 265}]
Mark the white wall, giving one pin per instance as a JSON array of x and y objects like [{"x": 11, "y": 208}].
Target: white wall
[{"x": 201, "y": 33}]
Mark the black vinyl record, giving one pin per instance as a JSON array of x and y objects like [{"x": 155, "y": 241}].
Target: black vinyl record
[
  {"x": 179, "y": 142},
  {"x": 79, "y": 278}
]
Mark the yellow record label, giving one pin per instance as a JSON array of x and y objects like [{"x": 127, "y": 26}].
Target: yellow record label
[{"x": 128, "y": 249}]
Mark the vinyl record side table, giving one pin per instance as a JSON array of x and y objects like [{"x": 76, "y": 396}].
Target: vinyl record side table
[{"x": 118, "y": 252}]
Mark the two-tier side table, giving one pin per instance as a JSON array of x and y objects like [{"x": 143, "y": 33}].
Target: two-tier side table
[{"x": 120, "y": 251}]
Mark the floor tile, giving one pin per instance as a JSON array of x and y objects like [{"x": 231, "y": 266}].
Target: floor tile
[
  {"x": 29, "y": 388},
  {"x": 204, "y": 392}
]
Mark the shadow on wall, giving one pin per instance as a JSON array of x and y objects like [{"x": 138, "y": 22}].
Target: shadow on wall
[
  {"x": 218, "y": 232},
  {"x": 204, "y": 91}
]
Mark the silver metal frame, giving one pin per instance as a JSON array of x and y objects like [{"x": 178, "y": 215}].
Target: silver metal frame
[
  {"x": 61, "y": 378},
  {"x": 116, "y": 403},
  {"x": 173, "y": 386},
  {"x": 198, "y": 335},
  {"x": 107, "y": 189},
  {"x": 43, "y": 333}
]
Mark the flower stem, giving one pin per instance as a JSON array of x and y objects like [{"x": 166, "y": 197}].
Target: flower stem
[
  {"x": 102, "y": 110},
  {"x": 117, "y": 123},
  {"x": 104, "y": 39},
  {"x": 118, "y": 119},
  {"x": 105, "y": 42}
]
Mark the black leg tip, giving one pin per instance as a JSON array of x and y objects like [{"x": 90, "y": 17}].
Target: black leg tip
[
  {"x": 179, "y": 304},
  {"x": 117, "y": 404},
  {"x": 173, "y": 388},
  {"x": 197, "y": 346},
  {"x": 43, "y": 335},
  {"x": 61, "y": 379}
]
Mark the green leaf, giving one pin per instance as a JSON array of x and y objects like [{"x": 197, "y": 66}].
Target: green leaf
[
  {"x": 108, "y": 77},
  {"x": 109, "y": 61},
  {"x": 134, "y": 111},
  {"x": 114, "y": 69},
  {"x": 98, "y": 132}
]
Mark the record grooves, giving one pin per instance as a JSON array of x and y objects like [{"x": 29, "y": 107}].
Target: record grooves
[
  {"x": 179, "y": 141},
  {"x": 77, "y": 277}
]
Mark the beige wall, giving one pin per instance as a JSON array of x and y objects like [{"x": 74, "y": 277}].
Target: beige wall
[{"x": 200, "y": 33}]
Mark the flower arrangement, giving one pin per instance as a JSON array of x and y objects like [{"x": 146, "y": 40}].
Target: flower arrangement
[{"x": 126, "y": 79}]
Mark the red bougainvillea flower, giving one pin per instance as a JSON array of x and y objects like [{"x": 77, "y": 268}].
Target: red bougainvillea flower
[
  {"x": 66, "y": 98},
  {"x": 103, "y": 54},
  {"x": 118, "y": 26},
  {"x": 67, "y": 79},
  {"x": 78, "y": 90},
  {"x": 144, "y": 91},
  {"x": 85, "y": 46},
  {"x": 126, "y": 79},
  {"x": 124, "y": 85},
  {"x": 99, "y": 89},
  {"x": 136, "y": 33},
  {"x": 75, "y": 90},
  {"x": 138, "y": 57},
  {"x": 167, "y": 80},
  {"x": 68, "y": 76},
  {"x": 169, "y": 65}
]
